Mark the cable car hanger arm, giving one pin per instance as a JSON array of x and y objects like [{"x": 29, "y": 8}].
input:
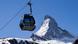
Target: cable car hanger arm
[{"x": 30, "y": 5}]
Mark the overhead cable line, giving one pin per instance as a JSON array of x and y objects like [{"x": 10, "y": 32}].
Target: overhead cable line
[{"x": 7, "y": 23}]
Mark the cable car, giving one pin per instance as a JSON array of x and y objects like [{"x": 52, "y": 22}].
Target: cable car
[{"x": 27, "y": 23}]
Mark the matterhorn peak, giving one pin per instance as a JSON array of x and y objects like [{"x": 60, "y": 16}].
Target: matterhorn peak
[
  {"x": 50, "y": 29},
  {"x": 52, "y": 20},
  {"x": 48, "y": 23}
]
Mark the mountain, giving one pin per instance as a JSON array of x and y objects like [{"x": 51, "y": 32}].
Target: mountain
[
  {"x": 50, "y": 30},
  {"x": 49, "y": 33}
]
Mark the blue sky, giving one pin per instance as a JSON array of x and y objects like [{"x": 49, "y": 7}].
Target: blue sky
[{"x": 65, "y": 13}]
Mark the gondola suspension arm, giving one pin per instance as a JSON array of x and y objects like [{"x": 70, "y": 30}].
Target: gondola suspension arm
[{"x": 30, "y": 5}]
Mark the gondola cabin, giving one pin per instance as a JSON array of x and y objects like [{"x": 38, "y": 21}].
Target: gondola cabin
[{"x": 27, "y": 23}]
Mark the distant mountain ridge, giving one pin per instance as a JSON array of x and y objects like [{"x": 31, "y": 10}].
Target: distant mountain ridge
[{"x": 30, "y": 41}]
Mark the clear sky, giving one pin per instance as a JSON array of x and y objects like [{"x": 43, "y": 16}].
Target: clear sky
[{"x": 65, "y": 13}]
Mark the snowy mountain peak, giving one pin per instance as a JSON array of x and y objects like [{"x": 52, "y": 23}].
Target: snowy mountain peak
[
  {"x": 48, "y": 23},
  {"x": 50, "y": 30},
  {"x": 52, "y": 20}
]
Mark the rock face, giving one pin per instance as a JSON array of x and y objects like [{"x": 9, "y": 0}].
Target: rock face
[{"x": 50, "y": 30}]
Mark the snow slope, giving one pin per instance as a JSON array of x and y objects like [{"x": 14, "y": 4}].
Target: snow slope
[
  {"x": 44, "y": 28},
  {"x": 54, "y": 42}
]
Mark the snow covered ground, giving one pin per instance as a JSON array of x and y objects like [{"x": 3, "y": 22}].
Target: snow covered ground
[
  {"x": 54, "y": 42},
  {"x": 29, "y": 41}
]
